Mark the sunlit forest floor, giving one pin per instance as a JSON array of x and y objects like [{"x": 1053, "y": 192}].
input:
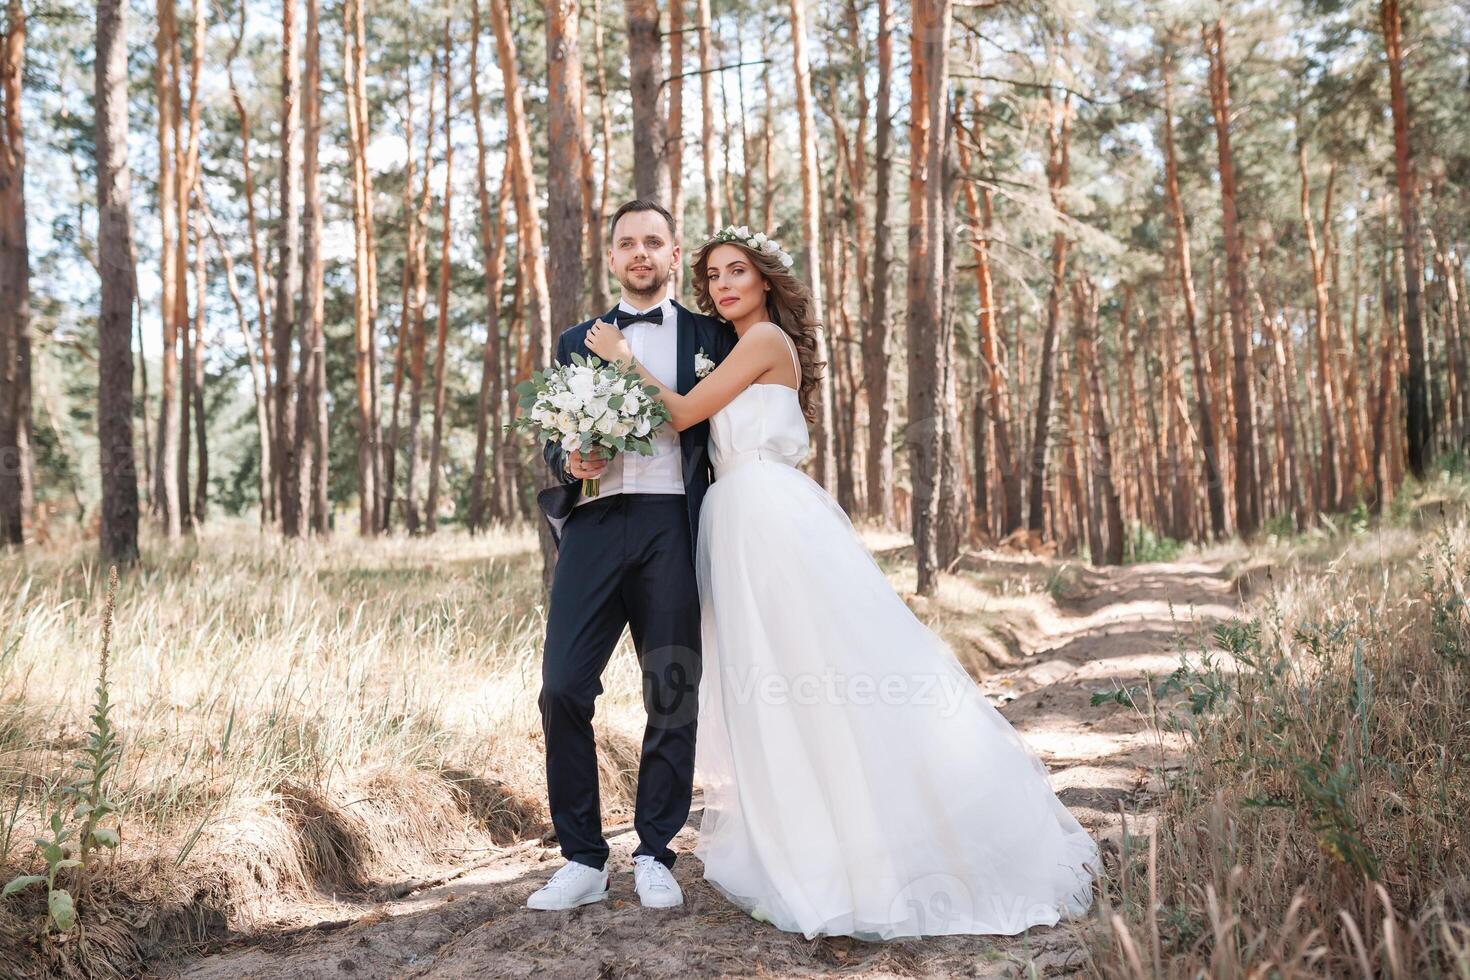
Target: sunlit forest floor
[{"x": 331, "y": 760}]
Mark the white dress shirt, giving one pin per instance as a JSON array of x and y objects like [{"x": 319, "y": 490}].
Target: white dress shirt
[{"x": 656, "y": 346}]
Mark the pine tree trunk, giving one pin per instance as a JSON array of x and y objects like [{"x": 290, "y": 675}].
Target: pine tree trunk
[
  {"x": 311, "y": 417},
  {"x": 492, "y": 256},
  {"x": 645, "y": 61},
  {"x": 418, "y": 300},
  {"x": 926, "y": 411},
  {"x": 288, "y": 269},
  {"x": 441, "y": 347},
  {"x": 166, "y": 83},
  {"x": 1100, "y": 451},
  {"x": 1247, "y": 486},
  {"x": 565, "y": 151},
  {"x": 601, "y": 299},
  {"x": 997, "y": 404},
  {"x": 354, "y": 65},
  {"x": 1416, "y": 382},
  {"x": 1058, "y": 136},
  {"x": 15, "y": 290},
  {"x": 1214, "y": 481},
  {"x": 265, "y": 414},
  {"x": 1331, "y": 473},
  {"x": 201, "y": 438},
  {"x": 528, "y": 218},
  {"x": 877, "y": 338},
  {"x": 809, "y": 252},
  {"x": 713, "y": 214},
  {"x": 119, "y": 527}
]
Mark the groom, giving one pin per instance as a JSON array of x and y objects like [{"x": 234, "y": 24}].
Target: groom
[{"x": 626, "y": 557}]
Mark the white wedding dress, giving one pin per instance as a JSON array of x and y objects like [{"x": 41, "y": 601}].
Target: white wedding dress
[{"x": 856, "y": 781}]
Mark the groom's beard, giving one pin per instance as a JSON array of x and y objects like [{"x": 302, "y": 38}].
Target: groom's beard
[{"x": 644, "y": 298}]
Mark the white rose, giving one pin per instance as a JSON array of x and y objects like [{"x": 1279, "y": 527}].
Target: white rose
[
  {"x": 605, "y": 425},
  {"x": 786, "y": 260},
  {"x": 581, "y": 383},
  {"x": 571, "y": 443},
  {"x": 770, "y": 247},
  {"x": 621, "y": 428},
  {"x": 743, "y": 231},
  {"x": 642, "y": 427},
  {"x": 760, "y": 238}
]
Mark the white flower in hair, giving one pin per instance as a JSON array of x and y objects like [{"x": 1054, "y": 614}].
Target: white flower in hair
[{"x": 759, "y": 242}]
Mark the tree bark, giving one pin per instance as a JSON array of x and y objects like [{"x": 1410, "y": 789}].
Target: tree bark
[
  {"x": 268, "y": 513},
  {"x": 565, "y": 152},
  {"x": 528, "y": 218},
  {"x": 492, "y": 254},
  {"x": 1214, "y": 481},
  {"x": 364, "y": 313},
  {"x": 1058, "y": 165},
  {"x": 418, "y": 300},
  {"x": 311, "y": 415},
  {"x": 119, "y": 527},
  {"x": 1247, "y": 485},
  {"x": 645, "y": 73},
  {"x": 809, "y": 251},
  {"x": 597, "y": 247},
  {"x": 997, "y": 399},
  {"x": 713, "y": 219},
  {"x": 928, "y": 83},
  {"x": 166, "y": 83},
  {"x": 1099, "y": 443},
  {"x": 441, "y": 347},
  {"x": 16, "y": 474},
  {"x": 877, "y": 338},
  {"x": 1416, "y": 383},
  {"x": 288, "y": 236}
]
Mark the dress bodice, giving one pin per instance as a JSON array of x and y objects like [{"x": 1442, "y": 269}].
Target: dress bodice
[{"x": 762, "y": 422}]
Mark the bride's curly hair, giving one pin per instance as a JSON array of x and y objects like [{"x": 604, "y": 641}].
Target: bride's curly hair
[{"x": 789, "y": 305}]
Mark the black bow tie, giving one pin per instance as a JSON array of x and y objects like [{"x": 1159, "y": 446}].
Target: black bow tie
[{"x": 655, "y": 315}]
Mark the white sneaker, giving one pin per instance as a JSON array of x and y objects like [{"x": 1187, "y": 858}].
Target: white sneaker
[
  {"x": 655, "y": 883},
  {"x": 573, "y": 884}
]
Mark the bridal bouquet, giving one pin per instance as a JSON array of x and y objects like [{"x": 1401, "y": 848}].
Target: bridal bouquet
[{"x": 591, "y": 405}]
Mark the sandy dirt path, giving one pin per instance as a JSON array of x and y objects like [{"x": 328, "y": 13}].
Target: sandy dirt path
[{"x": 1116, "y": 625}]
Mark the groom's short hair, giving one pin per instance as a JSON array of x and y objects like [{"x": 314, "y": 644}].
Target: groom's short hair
[{"x": 641, "y": 204}]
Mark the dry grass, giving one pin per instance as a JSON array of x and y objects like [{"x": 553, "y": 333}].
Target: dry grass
[
  {"x": 300, "y": 721},
  {"x": 1318, "y": 824}
]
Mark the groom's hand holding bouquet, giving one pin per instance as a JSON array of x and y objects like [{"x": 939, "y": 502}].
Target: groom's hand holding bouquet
[{"x": 592, "y": 409}]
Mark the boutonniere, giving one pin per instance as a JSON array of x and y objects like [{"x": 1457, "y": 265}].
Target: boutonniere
[{"x": 702, "y": 364}]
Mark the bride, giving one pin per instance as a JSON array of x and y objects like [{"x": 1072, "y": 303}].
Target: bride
[{"x": 856, "y": 780}]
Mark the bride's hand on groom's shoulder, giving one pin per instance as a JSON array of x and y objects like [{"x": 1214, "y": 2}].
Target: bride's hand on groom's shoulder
[{"x": 607, "y": 342}]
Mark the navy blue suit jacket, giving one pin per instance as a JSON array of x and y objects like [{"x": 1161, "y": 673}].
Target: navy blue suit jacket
[{"x": 696, "y": 332}]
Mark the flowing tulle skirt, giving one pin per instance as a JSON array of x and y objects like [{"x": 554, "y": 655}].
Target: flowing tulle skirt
[{"x": 856, "y": 780}]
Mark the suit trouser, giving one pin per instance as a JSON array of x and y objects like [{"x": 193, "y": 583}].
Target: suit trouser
[{"x": 623, "y": 559}]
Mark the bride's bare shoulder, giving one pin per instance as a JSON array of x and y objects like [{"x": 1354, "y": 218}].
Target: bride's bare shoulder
[{"x": 762, "y": 332}]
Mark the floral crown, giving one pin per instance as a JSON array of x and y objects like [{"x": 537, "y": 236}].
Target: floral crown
[{"x": 757, "y": 242}]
